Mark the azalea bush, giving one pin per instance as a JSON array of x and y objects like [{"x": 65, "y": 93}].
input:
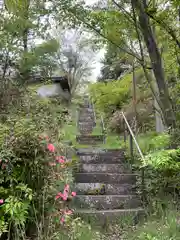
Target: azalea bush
[
  {"x": 29, "y": 186},
  {"x": 29, "y": 182},
  {"x": 36, "y": 189}
]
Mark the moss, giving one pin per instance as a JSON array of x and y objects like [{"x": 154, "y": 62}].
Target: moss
[{"x": 97, "y": 191}]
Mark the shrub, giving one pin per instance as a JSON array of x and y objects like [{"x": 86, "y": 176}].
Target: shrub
[
  {"x": 152, "y": 141},
  {"x": 112, "y": 95},
  {"x": 162, "y": 174},
  {"x": 24, "y": 169},
  {"x": 163, "y": 160},
  {"x": 165, "y": 227}
]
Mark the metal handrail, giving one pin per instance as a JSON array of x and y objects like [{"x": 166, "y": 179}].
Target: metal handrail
[
  {"x": 132, "y": 137},
  {"x": 103, "y": 129},
  {"x": 132, "y": 134},
  {"x": 93, "y": 111},
  {"x": 102, "y": 121}
]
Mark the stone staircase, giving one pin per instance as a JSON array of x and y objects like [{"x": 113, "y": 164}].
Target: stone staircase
[{"x": 105, "y": 184}]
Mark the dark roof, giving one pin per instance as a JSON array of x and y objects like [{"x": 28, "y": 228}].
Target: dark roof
[{"x": 63, "y": 80}]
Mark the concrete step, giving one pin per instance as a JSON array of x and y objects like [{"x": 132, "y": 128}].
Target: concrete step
[
  {"x": 102, "y": 159},
  {"x": 85, "y": 111},
  {"x": 107, "y": 188},
  {"x": 105, "y": 178},
  {"x": 100, "y": 202},
  {"x": 89, "y": 139},
  {"x": 86, "y": 105},
  {"x": 88, "y": 118},
  {"x": 105, "y": 168},
  {"x": 86, "y": 123},
  {"x": 84, "y": 127},
  {"x": 101, "y": 217},
  {"x": 86, "y": 131},
  {"x": 100, "y": 151}
]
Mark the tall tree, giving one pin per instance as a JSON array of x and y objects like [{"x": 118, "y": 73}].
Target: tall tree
[{"x": 75, "y": 56}]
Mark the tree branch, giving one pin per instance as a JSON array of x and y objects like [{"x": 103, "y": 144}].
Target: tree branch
[{"x": 165, "y": 27}]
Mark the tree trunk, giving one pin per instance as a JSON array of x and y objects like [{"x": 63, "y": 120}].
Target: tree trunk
[
  {"x": 156, "y": 62},
  {"x": 25, "y": 72}
]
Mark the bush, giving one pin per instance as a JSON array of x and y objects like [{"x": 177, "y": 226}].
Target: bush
[
  {"x": 36, "y": 178},
  {"x": 161, "y": 171},
  {"x": 152, "y": 141},
  {"x": 163, "y": 160},
  {"x": 24, "y": 169},
  {"x": 165, "y": 227},
  {"x": 108, "y": 97}
]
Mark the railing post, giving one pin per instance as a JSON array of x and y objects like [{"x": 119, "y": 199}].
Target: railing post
[
  {"x": 131, "y": 147},
  {"x": 143, "y": 185},
  {"x": 124, "y": 129},
  {"x": 103, "y": 130}
]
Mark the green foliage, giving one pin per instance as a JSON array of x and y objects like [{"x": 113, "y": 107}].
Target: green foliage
[
  {"x": 161, "y": 171},
  {"x": 112, "y": 95},
  {"x": 152, "y": 141},
  {"x": 40, "y": 58},
  {"x": 165, "y": 227},
  {"x": 24, "y": 170},
  {"x": 163, "y": 160}
]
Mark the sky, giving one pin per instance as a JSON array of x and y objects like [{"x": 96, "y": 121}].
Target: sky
[
  {"x": 97, "y": 65},
  {"x": 99, "y": 55}
]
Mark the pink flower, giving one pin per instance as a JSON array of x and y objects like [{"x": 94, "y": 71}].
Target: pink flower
[
  {"x": 73, "y": 194},
  {"x": 66, "y": 188},
  {"x": 65, "y": 197},
  {"x": 66, "y": 192},
  {"x": 60, "y": 159},
  {"x": 62, "y": 220},
  {"x": 52, "y": 164},
  {"x": 1, "y": 201},
  {"x": 4, "y": 166},
  {"x": 59, "y": 195},
  {"x": 68, "y": 212},
  {"x": 51, "y": 147}
]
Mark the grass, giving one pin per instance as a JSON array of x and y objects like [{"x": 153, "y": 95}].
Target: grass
[
  {"x": 164, "y": 227},
  {"x": 113, "y": 141},
  {"x": 34, "y": 87}
]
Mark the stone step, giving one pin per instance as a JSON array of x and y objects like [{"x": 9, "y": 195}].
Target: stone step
[
  {"x": 100, "y": 151},
  {"x": 102, "y": 158},
  {"x": 86, "y": 105},
  {"x": 89, "y": 139},
  {"x": 86, "y": 123},
  {"x": 99, "y": 159},
  {"x": 101, "y": 217},
  {"x": 100, "y": 202},
  {"x": 105, "y": 168},
  {"x": 87, "y": 118},
  {"x": 109, "y": 189},
  {"x": 86, "y": 110},
  {"x": 86, "y": 127},
  {"x": 86, "y": 131},
  {"x": 105, "y": 178}
]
